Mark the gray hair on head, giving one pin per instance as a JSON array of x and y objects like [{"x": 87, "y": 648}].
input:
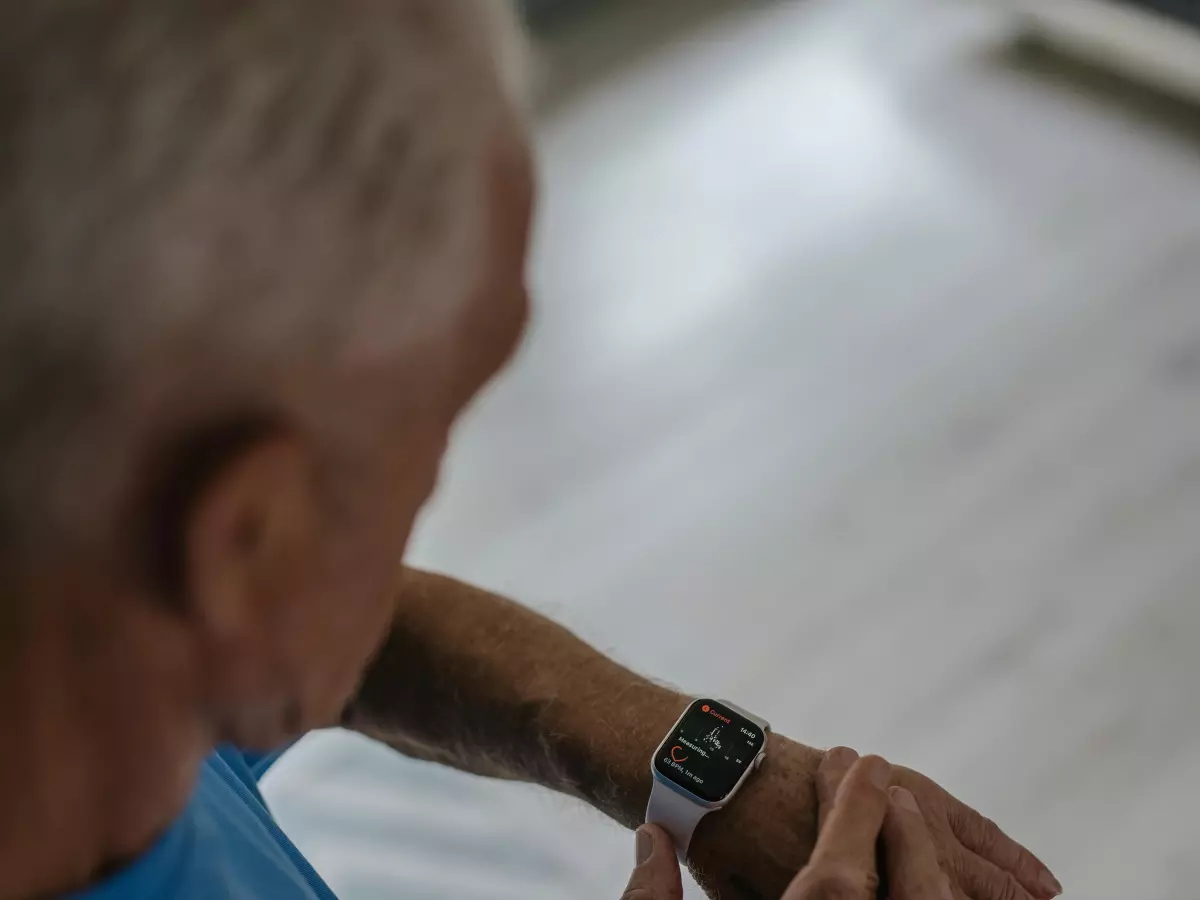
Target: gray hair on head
[{"x": 195, "y": 193}]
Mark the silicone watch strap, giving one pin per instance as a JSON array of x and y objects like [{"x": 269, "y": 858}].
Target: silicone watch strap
[{"x": 675, "y": 813}]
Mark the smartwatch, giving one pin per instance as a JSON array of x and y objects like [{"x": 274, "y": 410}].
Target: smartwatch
[{"x": 702, "y": 763}]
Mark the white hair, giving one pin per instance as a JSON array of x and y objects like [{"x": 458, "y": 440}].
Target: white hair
[{"x": 195, "y": 194}]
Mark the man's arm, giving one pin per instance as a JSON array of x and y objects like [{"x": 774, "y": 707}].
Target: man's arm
[{"x": 475, "y": 681}]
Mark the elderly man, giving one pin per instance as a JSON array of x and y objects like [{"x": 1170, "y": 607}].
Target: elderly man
[{"x": 257, "y": 256}]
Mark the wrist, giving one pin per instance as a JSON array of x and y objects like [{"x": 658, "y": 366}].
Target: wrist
[{"x": 753, "y": 847}]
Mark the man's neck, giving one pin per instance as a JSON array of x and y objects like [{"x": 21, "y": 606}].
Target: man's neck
[{"x": 95, "y": 758}]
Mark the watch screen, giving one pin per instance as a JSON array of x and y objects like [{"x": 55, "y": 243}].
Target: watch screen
[{"x": 709, "y": 750}]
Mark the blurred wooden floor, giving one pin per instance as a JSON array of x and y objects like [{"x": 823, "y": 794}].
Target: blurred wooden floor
[{"x": 865, "y": 389}]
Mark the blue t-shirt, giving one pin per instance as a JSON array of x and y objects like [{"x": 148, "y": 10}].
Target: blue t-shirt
[{"x": 225, "y": 846}]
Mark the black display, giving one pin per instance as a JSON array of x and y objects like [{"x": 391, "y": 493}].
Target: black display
[{"x": 710, "y": 750}]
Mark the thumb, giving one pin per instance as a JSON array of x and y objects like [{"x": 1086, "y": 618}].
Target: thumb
[{"x": 657, "y": 874}]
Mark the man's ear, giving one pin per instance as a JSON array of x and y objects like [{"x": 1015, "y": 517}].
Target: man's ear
[{"x": 252, "y": 527}]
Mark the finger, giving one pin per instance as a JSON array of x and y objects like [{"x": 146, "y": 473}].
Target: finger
[
  {"x": 657, "y": 874},
  {"x": 914, "y": 872},
  {"x": 833, "y": 882},
  {"x": 983, "y": 880},
  {"x": 833, "y": 769},
  {"x": 842, "y": 866},
  {"x": 853, "y": 824},
  {"x": 843, "y": 862},
  {"x": 983, "y": 837}
]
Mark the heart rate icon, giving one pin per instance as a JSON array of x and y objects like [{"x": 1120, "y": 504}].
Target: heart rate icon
[{"x": 678, "y": 759}]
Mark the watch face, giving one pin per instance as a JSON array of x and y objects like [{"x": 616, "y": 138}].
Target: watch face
[{"x": 710, "y": 750}]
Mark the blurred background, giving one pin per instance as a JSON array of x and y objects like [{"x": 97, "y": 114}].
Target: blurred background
[{"x": 863, "y": 389}]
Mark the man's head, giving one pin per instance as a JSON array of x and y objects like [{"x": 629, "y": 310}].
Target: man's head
[{"x": 256, "y": 255}]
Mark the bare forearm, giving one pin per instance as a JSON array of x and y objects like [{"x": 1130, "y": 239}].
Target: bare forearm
[{"x": 478, "y": 682}]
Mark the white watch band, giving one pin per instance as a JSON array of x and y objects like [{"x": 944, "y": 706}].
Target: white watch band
[{"x": 675, "y": 813}]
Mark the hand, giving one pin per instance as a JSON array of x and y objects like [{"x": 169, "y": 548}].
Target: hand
[
  {"x": 860, "y": 807},
  {"x": 857, "y": 807},
  {"x": 982, "y": 861},
  {"x": 752, "y": 849},
  {"x": 657, "y": 874}
]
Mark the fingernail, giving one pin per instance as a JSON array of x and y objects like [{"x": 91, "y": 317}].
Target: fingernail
[
  {"x": 905, "y": 800},
  {"x": 645, "y": 846},
  {"x": 881, "y": 773},
  {"x": 1050, "y": 884},
  {"x": 842, "y": 757}
]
